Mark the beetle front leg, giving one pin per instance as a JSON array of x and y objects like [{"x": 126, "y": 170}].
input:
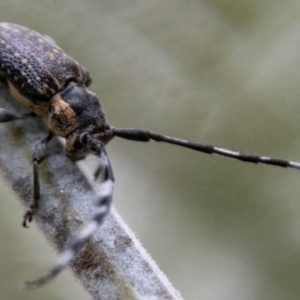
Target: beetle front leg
[{"x": 39, "y": 154}]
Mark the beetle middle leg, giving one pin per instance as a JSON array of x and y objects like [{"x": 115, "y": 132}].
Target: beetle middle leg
[
  {"x": 39, "y": 154},
  {"x": 7, "y": 116}
]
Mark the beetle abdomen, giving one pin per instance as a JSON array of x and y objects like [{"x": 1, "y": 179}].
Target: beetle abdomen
[{"x": 35, "y": 66}]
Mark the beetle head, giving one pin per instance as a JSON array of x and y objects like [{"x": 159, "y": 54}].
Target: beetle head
[{"x": 85, "y": 140}]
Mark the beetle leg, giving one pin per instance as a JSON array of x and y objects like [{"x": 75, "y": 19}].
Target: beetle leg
[
  {"x": 3, "y": 77},
  {"x": 102, "y": 209},
  {"x": 7, "y": 116},
  {"x": 39, "y": 154}
]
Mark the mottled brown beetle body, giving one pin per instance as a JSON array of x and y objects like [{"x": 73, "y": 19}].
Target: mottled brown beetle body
[{"x": 43, "y": 77}]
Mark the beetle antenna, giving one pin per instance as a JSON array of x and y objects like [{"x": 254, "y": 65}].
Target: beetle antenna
[
  {"x": 103, "y": 207},
  {"x": 146, "y": 136}
]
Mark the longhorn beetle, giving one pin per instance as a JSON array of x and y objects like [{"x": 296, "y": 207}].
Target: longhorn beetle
[{"x": 44, "y": 78}]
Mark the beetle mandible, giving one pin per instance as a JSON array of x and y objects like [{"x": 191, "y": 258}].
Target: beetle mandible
[{"x": 41, "y": 76}]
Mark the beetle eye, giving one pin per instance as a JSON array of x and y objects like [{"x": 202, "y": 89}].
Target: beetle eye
[{"x": 78, "y": 145}]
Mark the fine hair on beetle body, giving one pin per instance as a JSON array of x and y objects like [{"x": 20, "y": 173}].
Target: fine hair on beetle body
[{"x": 42, "y": 77}]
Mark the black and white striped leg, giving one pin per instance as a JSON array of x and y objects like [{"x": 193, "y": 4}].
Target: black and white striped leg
[
  {"x": 145, "y": 136},
  {"x": 103, "y": 207}
]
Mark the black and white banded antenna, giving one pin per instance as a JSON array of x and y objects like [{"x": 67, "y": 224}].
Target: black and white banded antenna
[
  {"x": 146, "y": 136},
  {"x": 105, "y": 191}
]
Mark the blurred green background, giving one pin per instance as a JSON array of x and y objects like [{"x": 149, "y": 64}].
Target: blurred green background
[{"x": 225, "y": 72}]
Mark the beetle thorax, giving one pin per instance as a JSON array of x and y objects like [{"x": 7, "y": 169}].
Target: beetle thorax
[
  {"x": 61, "y": 118},
  {"x": 74, "y": 107}
]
